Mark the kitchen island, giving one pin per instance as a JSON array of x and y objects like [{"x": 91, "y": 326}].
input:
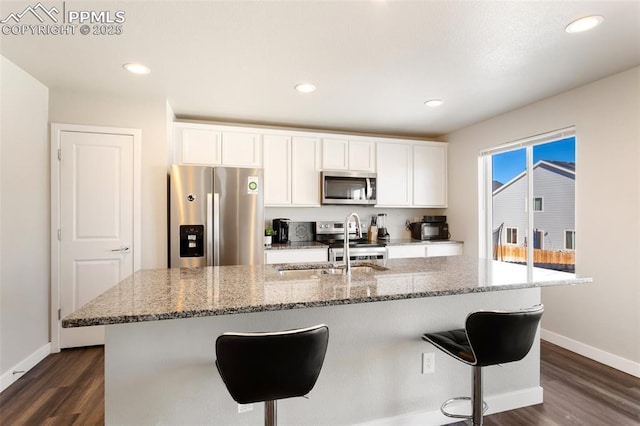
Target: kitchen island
[{"x": 160, "y": 371}]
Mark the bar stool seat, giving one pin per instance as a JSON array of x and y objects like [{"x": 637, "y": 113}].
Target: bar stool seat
[
  {"x": 265, "y": 367},
  {"x": 489, "y": 338}
]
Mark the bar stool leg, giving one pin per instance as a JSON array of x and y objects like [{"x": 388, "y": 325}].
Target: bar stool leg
[
  {"x": 270, "y": 413},
  {"x": 478, "y": 407}
]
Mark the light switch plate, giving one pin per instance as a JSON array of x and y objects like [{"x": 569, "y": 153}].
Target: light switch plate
[{"x": 428, "y": 362}]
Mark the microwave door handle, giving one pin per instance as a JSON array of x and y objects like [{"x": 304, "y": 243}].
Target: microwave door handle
[{"x": 369, "y": 190}]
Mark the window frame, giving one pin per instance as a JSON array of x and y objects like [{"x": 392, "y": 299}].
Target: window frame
[
  {"x": 573, "y": 240},
  {"x": 541, "y": 204},
  {"x": 485, "y": 190},
  {"x": 506, "y": 235}
]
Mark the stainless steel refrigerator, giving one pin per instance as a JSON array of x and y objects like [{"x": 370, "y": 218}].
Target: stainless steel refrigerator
[{"x": 216, "y": 216}]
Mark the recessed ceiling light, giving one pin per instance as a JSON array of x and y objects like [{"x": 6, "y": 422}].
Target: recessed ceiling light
[
  {"x": 137, "y": 68},
  {"x": 434, "y": 102},
  {"x": 584, "y": 24},
  {"x": 305, "y": 87}
]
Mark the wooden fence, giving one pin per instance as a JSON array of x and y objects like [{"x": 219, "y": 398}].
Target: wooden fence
[{"x": 518, "y": 254}]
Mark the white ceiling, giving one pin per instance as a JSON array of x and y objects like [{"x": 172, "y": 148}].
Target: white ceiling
[{"x": 374, "y": 62}]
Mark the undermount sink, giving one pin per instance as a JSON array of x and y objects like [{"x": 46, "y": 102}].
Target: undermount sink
[{"x": 292, "y": 271}]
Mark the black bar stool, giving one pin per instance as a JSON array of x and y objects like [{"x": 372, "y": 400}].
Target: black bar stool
[
  {"x": 489, "y": 338},
  {"x": 265, "y": 367}
]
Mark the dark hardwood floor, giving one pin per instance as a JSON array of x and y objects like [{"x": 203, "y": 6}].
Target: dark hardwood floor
[{"x": 68, "y": 389}]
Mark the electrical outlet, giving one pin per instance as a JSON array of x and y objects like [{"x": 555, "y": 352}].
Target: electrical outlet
[
  {"x": 243, "y": 408},
  {"x": 428, "y": 362}
]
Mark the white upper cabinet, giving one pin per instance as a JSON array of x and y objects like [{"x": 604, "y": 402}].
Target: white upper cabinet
[
  {"x": 362, "y": 156},
  {"x": 291, "y": 171},
  {"x": 241, "y": 149},
  {"x": 209, "y": 145},
  {"x": 277, "y": 170},
  {"x": 335, "y": 154},
  {"x": 430, "y": 175},
  {"x": 394, "y": 175},
  {"x": 352, "y": 155},
  {"x": 305, "y": 172},
  {"x": 198, "y": 146},
  {"x": 412, "y": 174}
]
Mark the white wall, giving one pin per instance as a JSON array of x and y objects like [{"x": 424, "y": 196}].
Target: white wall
[
  {"x": 149, "y": 115},
  {"x": 606, "y": 113},
  {"x": 24, "y": 221}
]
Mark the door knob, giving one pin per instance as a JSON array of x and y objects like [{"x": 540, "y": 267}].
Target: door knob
[{"x": 123, "y": 249}]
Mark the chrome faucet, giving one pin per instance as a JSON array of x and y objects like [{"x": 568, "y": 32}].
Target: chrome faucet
[{"x": 345, "y": 252}]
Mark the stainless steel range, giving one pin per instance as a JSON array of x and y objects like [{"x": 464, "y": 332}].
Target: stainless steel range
[{"x": 332, "y": 233}]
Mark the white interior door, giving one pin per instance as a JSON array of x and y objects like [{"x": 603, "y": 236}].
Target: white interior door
[{"x": 96, "y": 240}]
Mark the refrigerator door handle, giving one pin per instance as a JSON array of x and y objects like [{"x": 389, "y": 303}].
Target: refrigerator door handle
[
  {"x": 216, "y": 229},
  {"x": 210, "y": 231}
]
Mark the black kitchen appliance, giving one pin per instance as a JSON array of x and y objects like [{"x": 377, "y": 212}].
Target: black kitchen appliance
[
  {"x": 281, "y": 229},
  {"x": 431, "y": 228},
  {"x": 383, "y": 234}
]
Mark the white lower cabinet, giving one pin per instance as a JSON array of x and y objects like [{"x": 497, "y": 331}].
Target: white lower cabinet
[
  {"x": 406, "y": 251},
  {"x": 296, "y": 256},
  {"x": 453, "y": 248},
  {"x": 449, "y": 249}
]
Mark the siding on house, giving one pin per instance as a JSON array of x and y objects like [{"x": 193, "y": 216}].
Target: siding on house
[{"x": 555, "y": 183}]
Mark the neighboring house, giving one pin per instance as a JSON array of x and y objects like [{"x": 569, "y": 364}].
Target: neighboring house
[{"x": 554, "y": 207}]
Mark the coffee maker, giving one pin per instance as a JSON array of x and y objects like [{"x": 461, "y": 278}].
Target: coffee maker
[{"x": 281, "y": 229}]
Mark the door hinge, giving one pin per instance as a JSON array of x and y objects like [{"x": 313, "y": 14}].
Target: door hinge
[
  {"x": 59, "y": 234},
  {"x": 59, "y": 315},
  {"x": 59, "y": 155}
]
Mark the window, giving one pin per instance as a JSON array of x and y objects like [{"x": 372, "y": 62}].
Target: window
[
  {"x": 569, "y": 240},
  {"x": 542, "y": 235},
  {"x": 537, "y": 204},
  {"x": 512, "y": 236}
]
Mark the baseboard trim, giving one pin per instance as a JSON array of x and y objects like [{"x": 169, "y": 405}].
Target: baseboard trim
[
  {"x": 497, "y": 404},
  {"x": 603, "y": 357},
  {"x": 25, "y": 365}
]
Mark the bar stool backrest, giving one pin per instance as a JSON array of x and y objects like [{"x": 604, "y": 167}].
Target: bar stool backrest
[
  {"x": 500, "y": 337},
  {"x": 270, "y": 366}
]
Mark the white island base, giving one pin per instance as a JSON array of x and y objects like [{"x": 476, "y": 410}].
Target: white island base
[{"x": 163, "y": 372}]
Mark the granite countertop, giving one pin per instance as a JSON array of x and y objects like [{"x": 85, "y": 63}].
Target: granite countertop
[
  {"x": 159, "y": 294},
  {"x": 294, "y": 245},
  {"x": 393, "y": 242},
  {"x": 409, "y": 241}
]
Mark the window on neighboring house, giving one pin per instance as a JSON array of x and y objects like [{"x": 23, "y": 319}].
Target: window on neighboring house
[
  {"x": 543, "y": 164},
  {"x": 569, "y": 240},
  {"x": 537, "y": 204}
]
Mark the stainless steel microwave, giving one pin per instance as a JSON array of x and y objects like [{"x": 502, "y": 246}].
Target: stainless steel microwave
[{"x": 352, "y": 188}]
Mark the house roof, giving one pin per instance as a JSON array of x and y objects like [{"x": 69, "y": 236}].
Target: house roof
[{"x": 564, "y": 168}]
